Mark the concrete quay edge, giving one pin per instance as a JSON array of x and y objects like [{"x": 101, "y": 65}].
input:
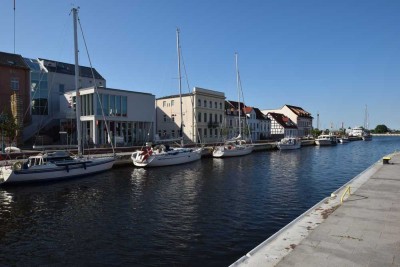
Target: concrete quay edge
[{"x": 271, "y": 251}]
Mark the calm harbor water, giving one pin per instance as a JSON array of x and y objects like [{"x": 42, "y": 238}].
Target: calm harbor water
[{"x": 210, "y": 212}]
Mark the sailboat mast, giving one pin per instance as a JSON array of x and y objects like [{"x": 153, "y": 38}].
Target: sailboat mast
[
  {"x": 178, "y": 48},
  {"x": 238, "y": 89},
  {"x": 78, "y": 99}
]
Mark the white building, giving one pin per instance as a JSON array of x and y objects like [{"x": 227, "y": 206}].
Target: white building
[
  {"x": 298, "y": 115},
  {"x": 202, "y": 116},
  {"x": 129, "y": 116},
  {"x": 49, "y": 79},
  {"x": 260, "y": 124},
  {"x": 282, "y": 126}
]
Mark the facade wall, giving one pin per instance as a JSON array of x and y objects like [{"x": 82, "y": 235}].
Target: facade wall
[
  {"x": 304, "y": 124},
  {"x": 129, "y": 116},
  {"x": 7, "y": 74},
  {"x": 211, "y": 105},
  {"x": 202, "y": 116}
]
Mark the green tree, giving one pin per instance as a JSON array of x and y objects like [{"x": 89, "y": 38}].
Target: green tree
[
  {"x": 381, "y": 128},
  {"x": 316, "y": 132},
  {"x": 8, "y": 127}
]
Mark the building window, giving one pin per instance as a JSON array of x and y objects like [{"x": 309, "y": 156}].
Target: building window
[
  {"x": 216, "y": 132},
  {"x": 220, "y": 118},
  {"x": 173, "y": 133},
  {"x": 199, "y": 103},
  {"x": 14, "y": 84},
  {"x": 165, "y": 118},
  {"x": 211, "y": 132},
  {"x": 220, "y": 105},
  {"x": 164, "y": 103},
  {"x": 172, "y": 103},
  {"x": 215, "y": 105},
  {"x": 205, "y": 103},
  {"x": 199, "y": 117},
  {"x": 39, "y": 106},
  {"x": 118, "y": 109},
  {"x": 210, "y": 104},
  {"x": 61, "y": 89},
  {"x": 124, "y": 107},
  {"x": 205, "y": 117},
  {"x": 112, "y": 105},
  {"x": 216, "y": 118},
  {"x": 205, "y": 132}
]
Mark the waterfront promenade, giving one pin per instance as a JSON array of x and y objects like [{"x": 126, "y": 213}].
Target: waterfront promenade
[{"x": 362, "y": 231}]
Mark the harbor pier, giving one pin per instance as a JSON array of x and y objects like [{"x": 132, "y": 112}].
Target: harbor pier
[{"x": 358, "y": 225}]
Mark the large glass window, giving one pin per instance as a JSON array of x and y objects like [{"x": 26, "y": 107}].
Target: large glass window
[
  {"x": 118, "y": 105},
  {"x": 105, "y": 101},
  {"x": 98, "y": 99},
  {"x": 111, "y": 111},
  {"x": 124, "y": 105}
]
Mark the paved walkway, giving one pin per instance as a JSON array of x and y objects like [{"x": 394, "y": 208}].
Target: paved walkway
[{"x": 363, "y": 231}]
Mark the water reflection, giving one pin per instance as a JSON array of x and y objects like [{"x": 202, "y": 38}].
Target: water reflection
[{"x": 213, "y": 210}]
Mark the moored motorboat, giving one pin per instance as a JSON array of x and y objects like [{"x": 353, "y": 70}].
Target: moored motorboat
[
  {"x": 326, "y": 140},
  {"x": 289, "y": 143}
]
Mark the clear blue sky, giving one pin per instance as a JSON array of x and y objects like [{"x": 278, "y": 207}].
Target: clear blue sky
[{"x": 331, "y": 57}]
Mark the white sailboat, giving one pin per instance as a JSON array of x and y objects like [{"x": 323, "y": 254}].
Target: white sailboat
[
  {"x": 164, "y": 155},
  {"x": 236, "y": 146},
  {"x": 366, "y": 135},
  {"x": 55, "y": 165}
]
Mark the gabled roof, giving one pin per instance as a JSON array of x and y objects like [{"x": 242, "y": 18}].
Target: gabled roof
[
  {"x": 12, "y": 60},
  {"x": 233, "y": 106},
  {"x": 299, "y": 111},
  {"x": 284, "y": 121},
  {"x": 260, "y": 115},
  {"x": 66, "y": 68}
]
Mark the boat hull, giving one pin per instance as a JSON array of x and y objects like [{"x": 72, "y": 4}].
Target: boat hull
[
  {"x": 325, "y": 143},
  {"x": 223, "y": 152},
  {"x": 52, "y": 172},
  {"x": 288, "y": 147},
  {"x": 174, "y": 157},
  {"x": 289, "y": 144}
]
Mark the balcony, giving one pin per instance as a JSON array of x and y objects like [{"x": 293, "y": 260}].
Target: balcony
[{"x": 213, "y": 125}]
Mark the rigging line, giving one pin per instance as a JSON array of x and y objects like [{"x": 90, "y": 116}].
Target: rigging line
[
  {"x": 95, "y": 86},
  {"x": 192, "y": 95},
  {"x": 245, "y": 116}
]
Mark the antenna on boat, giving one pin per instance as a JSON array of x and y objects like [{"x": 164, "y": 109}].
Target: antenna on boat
[{"x": 180, "y": 83}]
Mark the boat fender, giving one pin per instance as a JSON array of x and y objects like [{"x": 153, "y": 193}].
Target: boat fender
[{"x": 17, "y": 166}]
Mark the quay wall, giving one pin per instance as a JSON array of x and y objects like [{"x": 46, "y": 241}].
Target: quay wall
[{"x": 271, "y": 251}]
